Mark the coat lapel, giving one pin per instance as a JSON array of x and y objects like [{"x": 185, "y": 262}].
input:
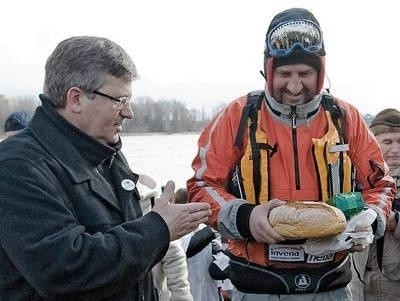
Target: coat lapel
[
  {"x": 68, "y": 156},
  {"x": 125, "y": 183},
  {"x": 104, "y": 191}
]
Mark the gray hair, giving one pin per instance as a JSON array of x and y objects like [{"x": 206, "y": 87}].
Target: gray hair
[{"x": 84, "y": 62}]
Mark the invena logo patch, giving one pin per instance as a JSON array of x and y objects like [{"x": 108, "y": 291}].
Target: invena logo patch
[
  {"x": 286, "y": 252},
  {"x": 295, "y": 253}
]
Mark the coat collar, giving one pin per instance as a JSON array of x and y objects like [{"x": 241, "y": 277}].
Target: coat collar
[
  {"x": 72, "y": 148},
  {"x": 80, "y": 155},
  {"x": 302, "y": 111}
]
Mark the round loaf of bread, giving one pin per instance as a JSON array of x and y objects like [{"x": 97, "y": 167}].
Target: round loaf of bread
[{"x": 296, "y": 220}]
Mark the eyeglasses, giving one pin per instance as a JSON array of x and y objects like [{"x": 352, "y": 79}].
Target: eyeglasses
[
  {"x": 120, "y": 101},
  {"x": 285, "y": 37}
]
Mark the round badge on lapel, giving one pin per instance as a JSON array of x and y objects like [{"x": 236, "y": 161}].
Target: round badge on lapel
[{"x": 128, "y": 185}]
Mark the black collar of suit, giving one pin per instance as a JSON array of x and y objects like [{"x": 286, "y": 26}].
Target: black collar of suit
[
  {"x": 89, "y": 148},
  {"x": 73, "y": 149}
]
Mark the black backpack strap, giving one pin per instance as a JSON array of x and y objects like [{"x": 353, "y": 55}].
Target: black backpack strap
[
  {"x": 254, "y": 99},
  {"x": 255, "y": 148},
  {"x": 254, "y": 102},
  {"x": 242, "y": 126},
  {"x": 329, "y": 104}
]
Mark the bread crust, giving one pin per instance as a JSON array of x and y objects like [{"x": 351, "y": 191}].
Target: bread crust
[{"x": 297, "y": 220}]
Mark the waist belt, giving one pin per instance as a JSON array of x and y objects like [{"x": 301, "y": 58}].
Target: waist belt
[{"x": 251, "y": 278}]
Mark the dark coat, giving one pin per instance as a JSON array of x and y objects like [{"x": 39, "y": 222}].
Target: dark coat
[{"x": 66, "y": 232}]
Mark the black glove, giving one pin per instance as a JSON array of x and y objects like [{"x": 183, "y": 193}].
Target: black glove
[{"x": 199, "y": 241}]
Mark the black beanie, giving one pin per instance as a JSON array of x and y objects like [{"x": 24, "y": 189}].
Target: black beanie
[
  {"x": 299, "y": 58},
  {"x": 16, "y": 121}
]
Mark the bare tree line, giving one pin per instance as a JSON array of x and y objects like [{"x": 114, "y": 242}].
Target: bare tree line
[
  {"x": 164, "y": 115},
  {"x": 169, "y": 116}
]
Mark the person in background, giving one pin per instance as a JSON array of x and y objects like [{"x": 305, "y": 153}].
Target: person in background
[
  {"x": 16, "y": 122},
  {"x": 377, "y": 269},
  {"x": 292, "y": 142},
  {"x": 170, "y": 274},
  {"x": 71, "y": 225},
  {"x": 198, "y": 247}
]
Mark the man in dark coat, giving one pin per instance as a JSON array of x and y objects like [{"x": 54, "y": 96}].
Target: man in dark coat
[{"x": 71, "y": 227}]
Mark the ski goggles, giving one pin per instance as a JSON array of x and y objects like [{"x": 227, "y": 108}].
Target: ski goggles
[{"x": 285, "y": 37}]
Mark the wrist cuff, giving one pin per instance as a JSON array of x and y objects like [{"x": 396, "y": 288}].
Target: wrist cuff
[{"x": 243, "y": 219}]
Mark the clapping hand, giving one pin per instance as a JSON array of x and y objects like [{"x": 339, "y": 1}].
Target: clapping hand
[{"x": 181, "y": 219}]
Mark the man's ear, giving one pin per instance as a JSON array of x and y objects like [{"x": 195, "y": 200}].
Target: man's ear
[{"x": 74, "y": 99}]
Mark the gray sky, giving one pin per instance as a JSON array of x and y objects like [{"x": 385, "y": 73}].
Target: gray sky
[{"x": 205, "y": 52}]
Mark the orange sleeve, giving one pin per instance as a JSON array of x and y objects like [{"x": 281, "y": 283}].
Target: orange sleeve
[
  {"x": 372, "y": 173},
  {"x": 216, "y": 159}
]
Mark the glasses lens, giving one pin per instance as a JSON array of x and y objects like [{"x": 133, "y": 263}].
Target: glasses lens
[
  {"x": 123, "y": 101},
  {"x": 285, "y": 37},
  {"x": 119, "y": 102}
]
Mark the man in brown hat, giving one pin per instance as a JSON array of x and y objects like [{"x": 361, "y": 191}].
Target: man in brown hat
[{"x": 379, "y": 265}]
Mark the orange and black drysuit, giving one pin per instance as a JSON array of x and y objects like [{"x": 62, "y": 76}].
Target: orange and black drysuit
[{"x": 302, "y": 153}]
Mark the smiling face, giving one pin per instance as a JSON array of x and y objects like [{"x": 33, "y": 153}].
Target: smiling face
[
  {"x": 100, "y": 117},
  {"x": 294, "y": 84}
]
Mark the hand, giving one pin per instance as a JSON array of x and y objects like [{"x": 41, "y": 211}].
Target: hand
[
  {"x": 356, "y": 248},
  {"x": 260, "y": 227},
  {"x": 181, "y": 219}
]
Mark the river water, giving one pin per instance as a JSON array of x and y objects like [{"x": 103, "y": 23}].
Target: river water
[{"x": 163, "y": 157}]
